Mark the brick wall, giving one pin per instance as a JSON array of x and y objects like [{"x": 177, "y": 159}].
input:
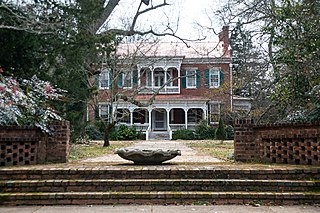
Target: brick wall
[
  {"x": 295, "y": 143},
  {"x": 23, "y": 145}
]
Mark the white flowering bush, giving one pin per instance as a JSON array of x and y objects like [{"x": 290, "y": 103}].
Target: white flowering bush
[{"x": 27, "y": 102}]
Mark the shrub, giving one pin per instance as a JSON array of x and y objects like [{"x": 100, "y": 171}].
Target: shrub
[
  {"x": 27, "y": 102},
  {"x": 183, "y": 134},
  {"x": 204, "y": 131},
  {"x": 230, "y": 132},
  {"x": 93, "y": 132},
  {"x": 124, "y": 132},
  {"x": 220, "y": 131}
]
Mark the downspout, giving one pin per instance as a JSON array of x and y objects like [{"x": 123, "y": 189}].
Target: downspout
[{"x": 231, "y": 88}]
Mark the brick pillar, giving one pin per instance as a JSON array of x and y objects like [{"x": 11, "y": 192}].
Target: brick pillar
[
  {"x": 244, "y": 140},
  {"x": 58, "y": 142}
]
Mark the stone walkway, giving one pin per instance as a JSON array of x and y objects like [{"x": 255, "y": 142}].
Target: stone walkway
[{"x": 188, "y": 155}]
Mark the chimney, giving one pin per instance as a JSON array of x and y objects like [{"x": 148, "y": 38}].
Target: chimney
[{"x": 224, "y": 38}]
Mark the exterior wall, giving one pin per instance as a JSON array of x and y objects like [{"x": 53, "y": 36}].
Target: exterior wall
[
  {"x": 23, "y": 145},
  {"x": 221, "y": 94},
  {"x": 294, "y": 143}
]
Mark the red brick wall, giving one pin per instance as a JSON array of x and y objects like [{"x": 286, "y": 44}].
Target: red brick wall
[
  {"x": 294, "y": 143},
  {"x": 23, "y": 145}
]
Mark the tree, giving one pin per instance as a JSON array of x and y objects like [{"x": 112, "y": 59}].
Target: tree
[
  {"x": 289, "y": 31},
  {"x": 221, "y": 133},
  {"x": 250, "y": 70},
  {"x": 62, "y": 39}
]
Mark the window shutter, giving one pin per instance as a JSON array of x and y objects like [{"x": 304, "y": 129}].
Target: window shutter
[
  {"x": 110, "y": 78},
  {"x": 183, "y": 79},
  {"x": 207, "y": 84},
  {"x": 221, "y": 77},
  {"x": 135, "y": 78},
  {"x": 120, "y": 78},
  {"x": 198, "y": 79}
]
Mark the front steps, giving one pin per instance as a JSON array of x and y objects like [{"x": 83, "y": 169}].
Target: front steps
[
  {"x": 159, "y": 135},
  {"x": 158, "y": 185}
]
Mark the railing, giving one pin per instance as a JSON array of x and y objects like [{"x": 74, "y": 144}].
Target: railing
[
  {"x": 164, "y": 90},
  {"x": 191, "y": 126}
]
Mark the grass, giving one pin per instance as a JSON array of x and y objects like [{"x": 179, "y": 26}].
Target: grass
[
  {"x": 214, "y": 148},
  {"x": 94, "y": 149}
]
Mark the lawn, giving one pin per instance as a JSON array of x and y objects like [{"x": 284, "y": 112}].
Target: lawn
[
  {"x": 94, "y": 149},
  {"x": 213, "y": 148}
]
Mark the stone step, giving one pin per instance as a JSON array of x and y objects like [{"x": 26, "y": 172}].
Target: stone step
[
  {"x": 168, "y": 197},
  {"x": 212, "y": 185},
  {"x": 159, "y": 136},
  {"x": 158, "y": 172}
]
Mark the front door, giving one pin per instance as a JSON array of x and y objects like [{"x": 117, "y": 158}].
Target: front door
[{"x": 159, "y": 123}]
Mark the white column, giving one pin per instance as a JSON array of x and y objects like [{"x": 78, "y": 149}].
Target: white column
[
  {"x": 165, "y": 79},
  {"x": 168, "y": 119},
  {"x": 152, "y": 78},
  {"x": 186, "y": 116},
  {"x": 150, "y": 120},
  {"x": 131, "y": 117}
]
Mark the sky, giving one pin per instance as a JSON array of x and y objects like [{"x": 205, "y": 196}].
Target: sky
[{"x": 187, "y": 13}]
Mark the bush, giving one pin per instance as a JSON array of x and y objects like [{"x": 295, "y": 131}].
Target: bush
[
  {"x": 220, "y": 131},
  {"x": 124, "y": 132},
  {"x": 183, "y": 134},
  {"x": 28, "y": 102},
  {"x": 204, "y": 131},
  {"x": 230, "y": 132},
  {"x": 93, "y": 132}
]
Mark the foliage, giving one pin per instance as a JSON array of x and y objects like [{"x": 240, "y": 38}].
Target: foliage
[
  {"x": 183, "y": 134},
  {"x": 220, "y": 133},
  {"x": 289, "y": 31},
  {"x": 229, "y": 132},
  {"x": 28, "y": 102},
  {"x": 204, "y": 131},
  {"x": 93, "y": 132},
  {"x": 123, "y": 132}
]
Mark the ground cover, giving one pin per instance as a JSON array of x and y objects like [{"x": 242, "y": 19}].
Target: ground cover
[
  {"x": 94, "y": 149},
  {"x": 214, "y": 148}
]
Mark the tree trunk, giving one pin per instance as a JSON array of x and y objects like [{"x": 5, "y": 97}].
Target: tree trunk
[{"x": 106, "y": 138}]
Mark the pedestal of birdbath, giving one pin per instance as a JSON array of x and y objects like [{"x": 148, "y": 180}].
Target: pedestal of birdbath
[{"x": 150, "y": 157}]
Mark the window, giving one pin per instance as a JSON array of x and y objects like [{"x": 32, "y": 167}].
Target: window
[
  {"x": 214, "y": 112},
  {"x": 104, "y": 111},
  {"x": 191, "y": 78},
  {"x": 214, "y": 78},
  {"x": 104, "y": 79},
  {"x": 158, "y": 77},
  {"x": 127, "y": 79}
]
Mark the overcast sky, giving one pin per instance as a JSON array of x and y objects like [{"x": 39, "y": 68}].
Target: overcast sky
[{"x": 188, "y": 12}]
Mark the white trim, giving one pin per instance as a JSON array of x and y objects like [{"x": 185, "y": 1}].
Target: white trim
[
  {"x": 102, "y": 77},
  {"x": 214, "y": 71},
  {"x": 194, "y": 76}
]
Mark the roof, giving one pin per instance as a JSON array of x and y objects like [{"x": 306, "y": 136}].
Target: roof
[{"x": 208, "y": 49}]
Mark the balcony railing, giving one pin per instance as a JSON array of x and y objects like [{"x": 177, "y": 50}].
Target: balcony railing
[{"x": 164, "y": 90}]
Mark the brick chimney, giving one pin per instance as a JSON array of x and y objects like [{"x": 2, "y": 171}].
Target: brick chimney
[{"x": 224, "y": 38}]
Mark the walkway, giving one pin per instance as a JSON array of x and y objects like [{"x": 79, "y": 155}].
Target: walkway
[{"x": 188, "y": 155}]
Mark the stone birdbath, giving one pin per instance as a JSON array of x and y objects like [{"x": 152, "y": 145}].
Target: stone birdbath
[{"x": 149, "y": 157}]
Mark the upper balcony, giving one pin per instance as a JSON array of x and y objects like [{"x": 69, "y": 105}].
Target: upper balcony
[{"x": 159, "y": 80}]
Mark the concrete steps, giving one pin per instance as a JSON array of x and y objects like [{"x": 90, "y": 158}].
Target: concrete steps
[
  {"x": 158, "y": 185},
  {"x": 159, "y": 135}
]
